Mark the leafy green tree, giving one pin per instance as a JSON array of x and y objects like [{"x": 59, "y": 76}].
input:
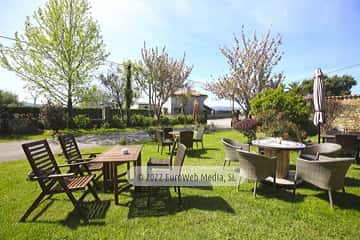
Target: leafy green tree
[
  {"x": 334, "y": 86},
  {"x": 117, "y": 83},
  {"x": 8, "y": 99},
  {"x": 128, "y": 92},
  {"x": 93, "y": 97},
  {"x": 58, "y": 52},
  {"x": 281, "y": 112}
]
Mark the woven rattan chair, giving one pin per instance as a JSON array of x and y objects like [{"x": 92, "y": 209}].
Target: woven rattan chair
[
  {"x": 187, "y": 138},
  {"x": 349, "y": 144},
  {"x": 327, "y": 173},
  {"x": 165, "y": 162},
  {"x": 312, "y": 152},
  {"x": 47, "y": 173},
  {"x": 199, "y": 136},
  {"x": 162, "y": 141},
  {"x": 230, "y": 147},
  {"x": 256, "y": 167},
  {"x": 174, "y": 171}
]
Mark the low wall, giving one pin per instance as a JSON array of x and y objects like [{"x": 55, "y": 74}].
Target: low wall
[{"x": 343, "y": 112}]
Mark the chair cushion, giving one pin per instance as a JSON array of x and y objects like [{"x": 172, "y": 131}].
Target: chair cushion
[
  {"x": 310, "y": 157},
  {"x": 158, "y": 162}
]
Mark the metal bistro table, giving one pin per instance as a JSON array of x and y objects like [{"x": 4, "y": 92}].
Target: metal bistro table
[
  {"x": 281, "y": 149},
  {"x": 114, "y": 157}
]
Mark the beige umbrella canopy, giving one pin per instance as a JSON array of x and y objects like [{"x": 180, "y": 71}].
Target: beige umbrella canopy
[{"x": 319, "y": 99}]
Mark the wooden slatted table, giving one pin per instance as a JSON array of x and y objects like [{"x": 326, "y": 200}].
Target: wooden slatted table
[{"x": 114, "y": 157}]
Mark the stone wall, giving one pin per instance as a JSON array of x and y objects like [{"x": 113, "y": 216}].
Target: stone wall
[{"x": 343, "y": 112}]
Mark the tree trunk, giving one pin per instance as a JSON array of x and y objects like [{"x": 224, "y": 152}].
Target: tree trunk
[{"x": 70, "y": 121}]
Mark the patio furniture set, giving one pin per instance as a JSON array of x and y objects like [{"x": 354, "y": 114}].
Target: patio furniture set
[
  {"x": 82, "y": 167},
  {"x": 317, "y": 164}
]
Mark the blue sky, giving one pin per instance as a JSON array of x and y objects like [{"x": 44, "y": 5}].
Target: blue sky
[{"x": 315, "y": 34}]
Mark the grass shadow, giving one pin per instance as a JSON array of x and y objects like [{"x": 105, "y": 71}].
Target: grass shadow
[
  {"x": 352, "y": 182},
  {"x": 198, "y": 153},
  {"x": 342, "y": 200},
  {"x": 282, "y": 193},
  {"x": 163, "y": 204},
  {"x": 95, "y": 210}
]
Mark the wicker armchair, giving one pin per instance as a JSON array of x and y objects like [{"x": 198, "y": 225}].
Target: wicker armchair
[
  {"x": 349, "y": 144},
  {"x": 256, "y": 167},
  {"x": 187, "y": 138},
  {"x": 326, "y": 173},
  {"x": 312, "y": 152},
  {"x": 230, "y": 150}
]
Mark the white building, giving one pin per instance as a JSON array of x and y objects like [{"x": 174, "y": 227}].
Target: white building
[{"x": 187, "y": 96}]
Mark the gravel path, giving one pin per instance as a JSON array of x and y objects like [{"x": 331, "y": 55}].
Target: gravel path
[{"x": 13, "y": 151}]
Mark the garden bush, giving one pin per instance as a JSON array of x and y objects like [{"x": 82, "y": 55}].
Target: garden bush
[
  {"x": 82, "y": 121},
  {"x": 53, "y": 116},
  {"x": 247, "y": 127},
  {"x": 281, "y": 113},
  {"x": 117, "y": 122}
]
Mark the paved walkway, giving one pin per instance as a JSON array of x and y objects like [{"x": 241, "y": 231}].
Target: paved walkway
[
  {"x": 220, "y": 123},
  {"x": 13, "y": 151}
]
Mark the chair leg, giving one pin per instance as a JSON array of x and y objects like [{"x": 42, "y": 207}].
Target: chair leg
[
  {"x": 343, "y": 189},
  {"x": 149, "y": 197},
  {"x": 93, "y": 192},
  {"x": 33, "y": 206},
  {"x": 77, "y": 205},
  {"x": 179, "y": 195},
  {"x": 174, "y": 189},
  {"x": 330, "y": 199},
  {"x": 202, "y": 145},
  {"x": 274, "y": 182},
  {"x": 238, "y": 183},
  {"x": 255, "y": 185},
  {"x": 162, "y": 148},
  {"x": 224, "y": 164},
  {"x": 158, "y": 147}
]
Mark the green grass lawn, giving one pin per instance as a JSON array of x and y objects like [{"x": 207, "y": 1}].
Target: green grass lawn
[{"x": 207, "y": 213}]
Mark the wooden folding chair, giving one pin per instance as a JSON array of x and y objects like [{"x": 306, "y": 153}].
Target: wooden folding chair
[
  {"x": 73, "y": 155},
  {"x": 47, "y": 173}
]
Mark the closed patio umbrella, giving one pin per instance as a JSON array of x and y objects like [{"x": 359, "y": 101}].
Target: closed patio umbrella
[
  {"x": 319, "y": 99},
  {"x": 196, "y": 110}
]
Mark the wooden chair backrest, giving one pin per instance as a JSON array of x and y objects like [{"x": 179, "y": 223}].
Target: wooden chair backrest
[
  {"x": 186, "y": 138},
  {"x": 70, "y": 148},
  {"x": 42, "y": 162},
  {"x": 166, "y": 133},
  {"x": 180, "y": 157}
]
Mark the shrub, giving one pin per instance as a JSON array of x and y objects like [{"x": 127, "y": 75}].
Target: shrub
[
  {"x": 281, "y": 113},
  {"x": 247, "y": 127},
  {"x": 117, "y": 122},
  {"x": 105, "y": 125},
  {"x": 53, "y": 116},
  {"x": 82, "y": 121},
  {"x": 164, "y": 121}
]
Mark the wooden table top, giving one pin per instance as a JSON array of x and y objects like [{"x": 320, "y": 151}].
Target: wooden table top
[{"x": 114, "y": 154}]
